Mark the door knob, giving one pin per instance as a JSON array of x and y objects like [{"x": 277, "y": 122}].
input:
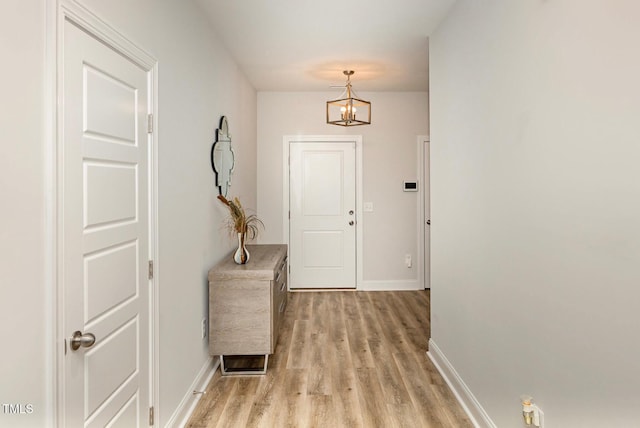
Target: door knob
[
  {"x": 85, "y": 340},
  {"x": 351, "y": 223},
  {"x": 429, "y": 221},
  {"x": 350, "y": 212}
]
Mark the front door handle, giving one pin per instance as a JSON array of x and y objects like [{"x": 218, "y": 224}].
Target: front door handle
[
  {"x": 351, "y": 223},
  {"x": 85, "y": 340}
]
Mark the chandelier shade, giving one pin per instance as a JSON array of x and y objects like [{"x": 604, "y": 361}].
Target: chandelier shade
[{"x": 348, "y": 110}]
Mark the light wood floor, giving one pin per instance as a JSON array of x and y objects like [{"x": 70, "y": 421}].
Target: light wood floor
[{"x": 343, "y": 359}]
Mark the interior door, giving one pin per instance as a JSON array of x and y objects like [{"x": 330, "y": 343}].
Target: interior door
[
  {"x": 322, "y": 193},
  {"x": 427, "y": 215},
  {"x": 104, "y": 235}
]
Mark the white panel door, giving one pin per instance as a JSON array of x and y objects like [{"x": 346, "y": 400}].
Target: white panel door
[
  {"x": 322, "y": 220},
  {"x": 104, "y": 235},
  {"x": 426, "y": 188}
]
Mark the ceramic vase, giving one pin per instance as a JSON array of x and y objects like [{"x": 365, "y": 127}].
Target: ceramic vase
[{"x": 241, "y": 256}]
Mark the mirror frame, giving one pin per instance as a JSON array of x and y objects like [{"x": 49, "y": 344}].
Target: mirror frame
[{"x": 222, "y": 150}]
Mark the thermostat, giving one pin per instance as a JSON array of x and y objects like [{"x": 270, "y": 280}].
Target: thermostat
[{"x": 410, "y": 186}]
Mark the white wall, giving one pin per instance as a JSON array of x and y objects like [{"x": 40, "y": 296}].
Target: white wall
[
  {"x": 198, "y": 82},
  {"x": 23, "y": 288},
  {"x": 535, "y": 151},
  {"x": 389, "y": 157}
]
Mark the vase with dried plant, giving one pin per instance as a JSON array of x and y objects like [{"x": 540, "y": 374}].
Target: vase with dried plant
[{"x": 246, "y": 227}]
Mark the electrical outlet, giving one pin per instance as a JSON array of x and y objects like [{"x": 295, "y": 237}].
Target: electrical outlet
[
  {"x": 204, "y": 328},
  {"x": 533, "y": 416},
  {"x": 407, "y": 260}
]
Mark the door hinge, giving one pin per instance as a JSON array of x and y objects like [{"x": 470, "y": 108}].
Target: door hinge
[
  {"x": 289, "y": 215},
  {"x": 150, "y": 269},
  {"x": 151, "y": 415},
  {"x": 150, "y": 124}
]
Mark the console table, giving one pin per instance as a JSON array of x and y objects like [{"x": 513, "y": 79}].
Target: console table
[{"x": 246, "y": 305}]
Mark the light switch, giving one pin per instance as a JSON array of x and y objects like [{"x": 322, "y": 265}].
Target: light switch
[{"x": 368, "y": 207}]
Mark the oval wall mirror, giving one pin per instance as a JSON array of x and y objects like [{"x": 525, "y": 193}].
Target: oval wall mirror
[{"x": 222, "y": 157}]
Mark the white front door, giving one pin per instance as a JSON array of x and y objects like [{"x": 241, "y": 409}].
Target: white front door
[
  {"x": 322, "y": 198},
  {"x": 104, "y": 235}
]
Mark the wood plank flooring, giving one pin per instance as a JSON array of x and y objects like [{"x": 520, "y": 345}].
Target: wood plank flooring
[{"x": 343, "y": 359}]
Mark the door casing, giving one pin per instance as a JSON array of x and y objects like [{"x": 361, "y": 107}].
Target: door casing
[
  {"x": 357, "y": 139},
  {"x": 66, "y": 10}
]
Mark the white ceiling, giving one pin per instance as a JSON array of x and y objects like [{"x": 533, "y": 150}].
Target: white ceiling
[{"x": 303, "y": 45}]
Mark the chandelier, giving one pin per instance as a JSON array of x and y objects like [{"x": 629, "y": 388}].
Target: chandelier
[{"x": 348, "y": 110}]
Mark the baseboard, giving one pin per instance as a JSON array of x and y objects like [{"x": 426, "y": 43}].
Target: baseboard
[
  {"x": 188, "y": 404},
  {"x": 471, "y": 406},
  {"x": 399, "y": 285}
]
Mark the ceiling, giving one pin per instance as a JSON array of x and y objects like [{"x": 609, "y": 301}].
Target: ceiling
[{"x": 304, "y": 45}]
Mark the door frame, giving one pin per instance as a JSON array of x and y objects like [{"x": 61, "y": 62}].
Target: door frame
[
  {"x": 57, "y": 14},
  {"x": 357, "y": 139},
  {"x": 424, "y": 265}
]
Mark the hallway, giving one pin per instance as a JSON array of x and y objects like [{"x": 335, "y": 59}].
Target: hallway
[{"x": 343, "y": 359}]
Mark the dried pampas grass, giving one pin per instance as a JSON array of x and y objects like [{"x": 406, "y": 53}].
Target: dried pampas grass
[{"x": 238, "y": 221}]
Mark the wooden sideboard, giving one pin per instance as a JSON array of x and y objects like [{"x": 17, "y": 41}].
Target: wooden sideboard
[{"x": 246, "y": 305}]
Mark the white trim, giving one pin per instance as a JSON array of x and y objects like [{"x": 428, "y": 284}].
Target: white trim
[
  {"x": 420, "y": 259},
  {"x": 75, "y": 12},
  {"x": 52, "y": 347},
  {"x": 154, "y": 249},
  {"x": 392, "y": 285},
  {"x": 423, "y": 277},
  {"x": 190, "y": 400},
  {"x": 357, "y": 139},
  {"x": 72, "y": 11},
  {"x": 467, "y": 400}
]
